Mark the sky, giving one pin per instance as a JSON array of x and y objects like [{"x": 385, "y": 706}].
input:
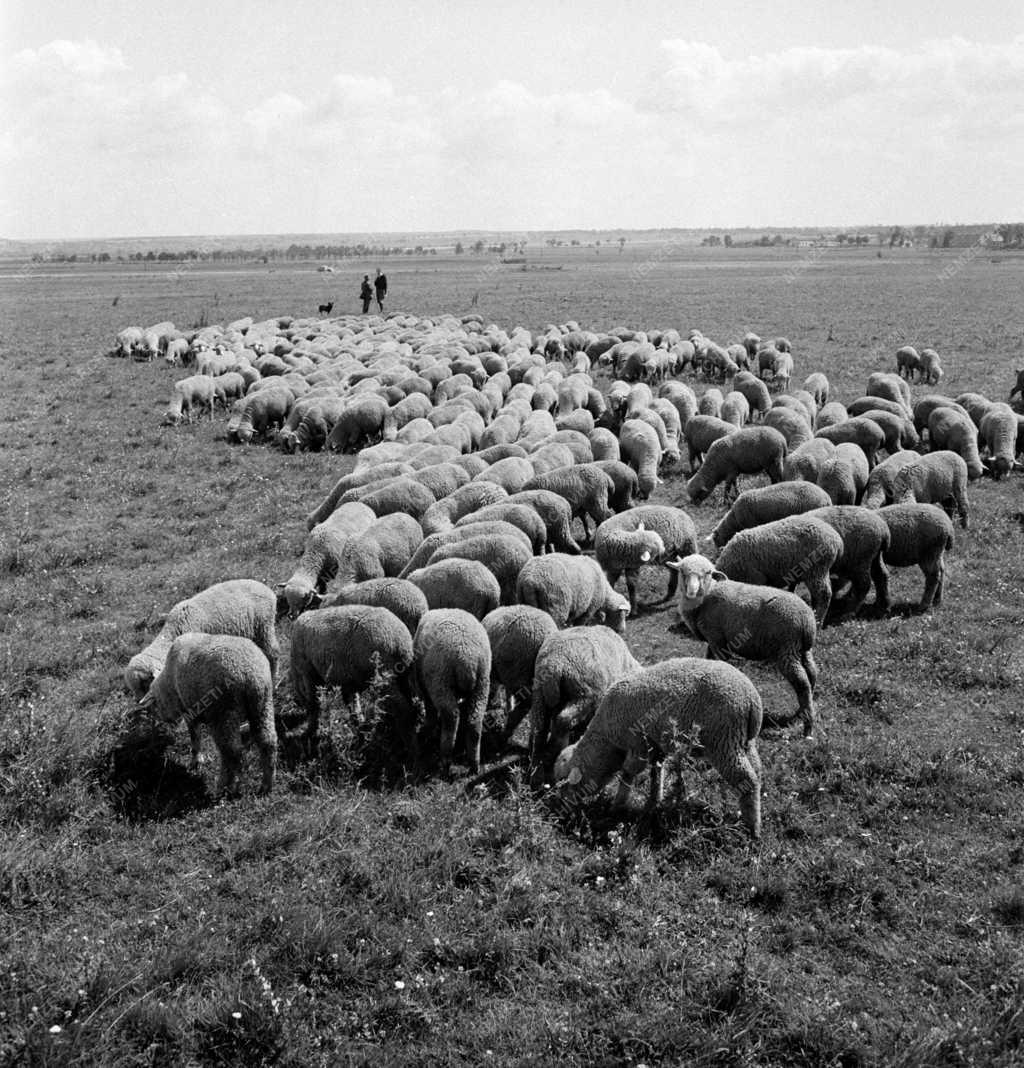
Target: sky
[{"x": 130, "y": 117}]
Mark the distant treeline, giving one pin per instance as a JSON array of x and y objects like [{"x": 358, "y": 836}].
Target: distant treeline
[
  {"x": 1005, "y": 235},
  {"x": 219, "y": 255}
]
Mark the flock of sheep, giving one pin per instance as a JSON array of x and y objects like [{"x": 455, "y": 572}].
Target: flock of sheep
[{"x": 448, "y": 559}]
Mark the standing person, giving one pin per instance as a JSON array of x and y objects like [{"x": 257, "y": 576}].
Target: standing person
[
  {"x": 366, "y": 293},
  {"x": 380, "y": 284}
]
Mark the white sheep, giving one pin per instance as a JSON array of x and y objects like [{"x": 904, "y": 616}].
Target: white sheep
[
  {"x": 571, "y": 589},
  {"x": 455, "y": 583},
  {"x": 936, "y": 478},
  {"x": 919, "y": 534},
  {"x": 397, "y": 595},
  {"x": 503, "y": 555},
  {"x": 881, "y": 481},
  {"x": 747, "y": 451},
  {"x": 222, "y": 681},
  {"x": 382, "y": 550},
  {"x": 624, "y": 551},
  {"x": 647, "y": 715},
  {"x": 192, "y": 393},
  {"x": 998, "y": 435},
  {"x": 764, "y": 505},
  {"x": 642, "y": 450}
]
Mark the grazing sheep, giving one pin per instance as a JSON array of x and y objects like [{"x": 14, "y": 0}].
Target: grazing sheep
[
  {"x": 625, "y": 481},
  {"x": 844, "y": 476},
  {"x": 735, "y": 409},
  {"x": 385, "y": 471},
  {"x": 754, "y": 507},
  {"x": 516, "y": 634},
  {"x": 471, "y": 528},
  {"x": 446, "y": 512},
  {"x": 625, "y": 552},
  {"x": 361, "y": 422},
  {"x": 892, "y": 387},
  {"x": 907, "y": 362},
  {"x": 975, "y": 404},
  {"x": 924, "y": 407},
  {"x": 860, "y": 431},
  {"x": 502, "y": 554},
  {"x": 194, "y": 392},
  {"x": 521, "y": 516},
  {"x": 949, "y": 429},
  {"x": 604, "y": 444},
  {"x": 863, "y": 405},
  {"x": 466, "y": 584},
  {"x": 865, "y": 540},
  {"x": 380, "y": 551},
  {"x": 453, "y": 676},
  {"x": 756, "y": 392},
  {"x": 898, "y": 429},
  {"x": 641, "y": 448},
  {"x": 804, "y": 462},
  {"x": 936, "y": 478},
  {"x": 830, "y": 414},
  {"x": 918, "y": 534},
  {"x": 682, "y": 398},
  {"x": 586, "y": 488},
  {"x": 348, "y": 646},
  {"x": 262, "y": 412},
  {"x": 573, "y": 669},
  {"x": 930, "y": 369},
  {"x": 751, "y": 450},
  {"x": 784, "y": 553},
  {"x": 818, "y": 386},
  {"x": 398, "y": 596},
  {"x": 556, "y": 514},
  {"x": 998, "y": 434},
  {"x": 710, "y": 403},
  {"x": 243, "y": 608},
  {"x": 571, "y": 589},
  {"x": 881, "y": 481},
  {"x": 700, "y": 433},
  {"x": 800, "y": 402},
  {"x": 647, "y": 714},
  {"x": 674, "y": 527},
  {"x": 512, "y": 474},
  {"x": 752, "y": 622},
  {"x": 404, "y": 494},
  {"x": 792, "y": 424},
  {"x": 220, "y": 680}
]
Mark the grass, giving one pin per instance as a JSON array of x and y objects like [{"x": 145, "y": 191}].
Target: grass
[{"x": 348, "y": 920}]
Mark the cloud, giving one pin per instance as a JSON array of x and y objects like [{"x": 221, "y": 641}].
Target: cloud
[{"x": 85, "y": 58}]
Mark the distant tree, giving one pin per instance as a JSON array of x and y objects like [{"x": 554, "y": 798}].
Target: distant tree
[
  {"x": 622, "y": 243},
  {"x": 947, "y": 238},
  {"x": 896, "y": 237},
  {"x": 778, "y": 239},
  {"x": 458, "y": 248},
  {"x": 728, "y": 240},
  {"x": 934, "y": 241},
  {"x": 841, "y": 238},
  {"x": 478, "y": 246}
]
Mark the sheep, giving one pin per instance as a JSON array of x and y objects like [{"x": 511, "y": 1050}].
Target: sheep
[
  {"x": 586, "y": 488},
  {"x": 710, "y": 403},
  {"x": 454, "y": 583},
  {"x": 735, "y": 409},
  {"x": 907, "y": 362},
  {"x": 178, "y": 352},
  {"x": 950, "y": 429},
  {"x": 556, "y": 514},
  {"x": 924, "y": 407},
  {"x": 804, "y": 462},
  {"x": 573, "y": 668},
  {"x": 404, "y": 494},
  {"x": 682, "y": 398},
  {"x": 468, "y": 527},
  {"x": 753, "y": 622},
  {"x": 398, "y": 596},
  {"x": 930, "y": 370},
  {"x": 818, "y": 386},
  {"x": 756, "y": 392},
  {"x": 919, "y": 534},
  {"x": 516, "y": 634},
  {"x": 936, "y": 478},
  {"x": 860, "y": 431},
  {"x": 1018, "y": 386},
  {"x": 380, "y": 551},
  {"x": 220, "y": 680},
  {"x": 263, "y": 411},
  {"x": 362, "y": 421},
  {"x": 521, "y": 516},
  {"x": 863, "y": 405},
  {"x": 783, "y": 553},
  {"x": 975, "y": 404},
  {"x": 453, "y": 673},
  {"x": 621, "y": 551},
  {"x": 700, "y": 433},
  {"x": 625, "y": 481},
  {"x": 194, "y": 392},
  {"x": 800, "y": 402},
  {"x": 998, "y": 433},
  {"x": 646, "y": 714},
  {"x": 127, "y": 341},
  {"x": 348, "y": 646},
  {"x": 512, "y": 474},
  {"x": 502, "y": 554},
  {"x": 865, "y": 540},
  {"x": 792, "y": 424},
  {"x": 604, "y": 444},
  {"x": 641, "y": 448},
  {"x": 892, "y": 387},
  {"x": 243, "y": 608},
  {"x": 321, "y": 554},
  {"x": 750, "y": 450},
  {"x": 353, "y": 481},
  {"x": 571, "y": 589},
  {"x": 446, "y": 512},
  {"x": 765, "y": 504},
  {"x": 881, "y": 481},
  {"x": 830, "y": 414},
  {"x": 898, "y": 429},
  {"x": 844, "y": 476}
]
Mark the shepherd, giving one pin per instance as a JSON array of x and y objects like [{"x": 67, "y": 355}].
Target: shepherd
[
  {"x": 366, "y": 293},
  {"x": 380, "y": 285}
]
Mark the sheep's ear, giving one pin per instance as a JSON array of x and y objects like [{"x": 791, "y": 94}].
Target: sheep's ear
[
  {"x": 676, "y": 565},
  {"x": 146, "y": 701},
  {"x": 708, "y": 537},
  {"x": 639, "y": 527},
  {"x": 719, "y": 576},
  {"x": 645, "y": 556},
  {"x": 315, "y": 600},
  {"x": 575, "y": 777}
]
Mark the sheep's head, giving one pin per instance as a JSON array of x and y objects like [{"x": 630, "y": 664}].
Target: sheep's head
[
  {"x": 615, "y": 613},
  {"x": 564, "y": 770},
  {"x": 696, "y": 489},
  {"x": 652, "y": 547},
  {"x": 697, "y": 575},
  {"x": 139, "y": 676}
]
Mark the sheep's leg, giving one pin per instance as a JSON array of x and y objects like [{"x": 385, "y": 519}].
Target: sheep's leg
[
  {"x": 793, "y": 671},
  {"x": 228, "y": 740},
  {"x": 196, "y": 740},
  {"x": 631, "y": 580},
  {"x": 516, "y": 707},
  {"x": 630, "y": 768},
  {"x": 744, "y": 774},
  {"x": 261, "y": 721},
  {"x": 933, "y": 570},
  {"x": 961, "y": 506},
  {"x": 656, "y": 785},
  {"x": 880, "y": 577},
  {"x": 820, "y": 589},
  {"x": 673, "y": 584},
  {"x": 540, "y": 726},
  {"x": 475, "y": 727}
]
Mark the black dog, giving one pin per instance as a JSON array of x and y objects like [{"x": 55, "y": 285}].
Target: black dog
[{"x": 325, "y": 309}]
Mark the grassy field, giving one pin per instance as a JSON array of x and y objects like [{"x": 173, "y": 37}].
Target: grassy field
[{"x": 879, "y": 921}]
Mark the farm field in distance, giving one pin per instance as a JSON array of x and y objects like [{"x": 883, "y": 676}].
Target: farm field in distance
[{"x": 879, "y": 921}]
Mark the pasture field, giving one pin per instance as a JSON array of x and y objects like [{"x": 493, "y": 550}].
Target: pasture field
[{"x": 879, "y": 921}]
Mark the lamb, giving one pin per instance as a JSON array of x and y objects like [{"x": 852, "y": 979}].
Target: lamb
[
  {"x": 453, "y": 675},
  {"x": 783, "y": 553},
  {"x": 881, "y": 481},
  {"x": 521, "y": 516},
  {"x": 818, "y": 386},
  {"x": 220, "y": 680},
  {"x": 907, "y": 362},
  {"x": 865, "y": 540},
  {"x": 754, "y": 507},
  {"x": 586, "y": 488},
  {"x": 844, "y": 476},
  {"x": 571, "y": 589},
  {"x": 751, "y": 450},
  {"x": 516, "y": 634},
  {"x": 399, "y": 596},
  {"x": 573, "y": 669},
  {"x": 949, "y": 429},
  {"x": 243, "y": 608},
  {"x": 455, "y": 583},
  {"x": 556, "y": 514},
  {"x": 348, "y": 646},
  {"x": 621, "y": 551},
  {"x": 324, "y": 547},
  {"x": 503, "y": 555},
  {"x": 860, "y": 431},
  {"x": 194, "y": 392},
  {"x": 646, "y": 714},
  {"x": 641, "y": 448},
  {"x": 791, "y": 423},
  {"x": 758, "y": 623},
  {"x": 998, "y": 433},
  {"x": 919, "y": 534},
  {"x": 804, "y": 462},
  {"x": 445, "y": 513},
  {"x": 700, "y": 433},
  {"x": 930, "y": 369},
  {"x": 937, "y": 478},
  {"x": 380, "y": 551}
]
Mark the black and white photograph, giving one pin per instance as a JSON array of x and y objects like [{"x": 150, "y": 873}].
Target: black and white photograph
[{"x": 511, "y": 534}]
